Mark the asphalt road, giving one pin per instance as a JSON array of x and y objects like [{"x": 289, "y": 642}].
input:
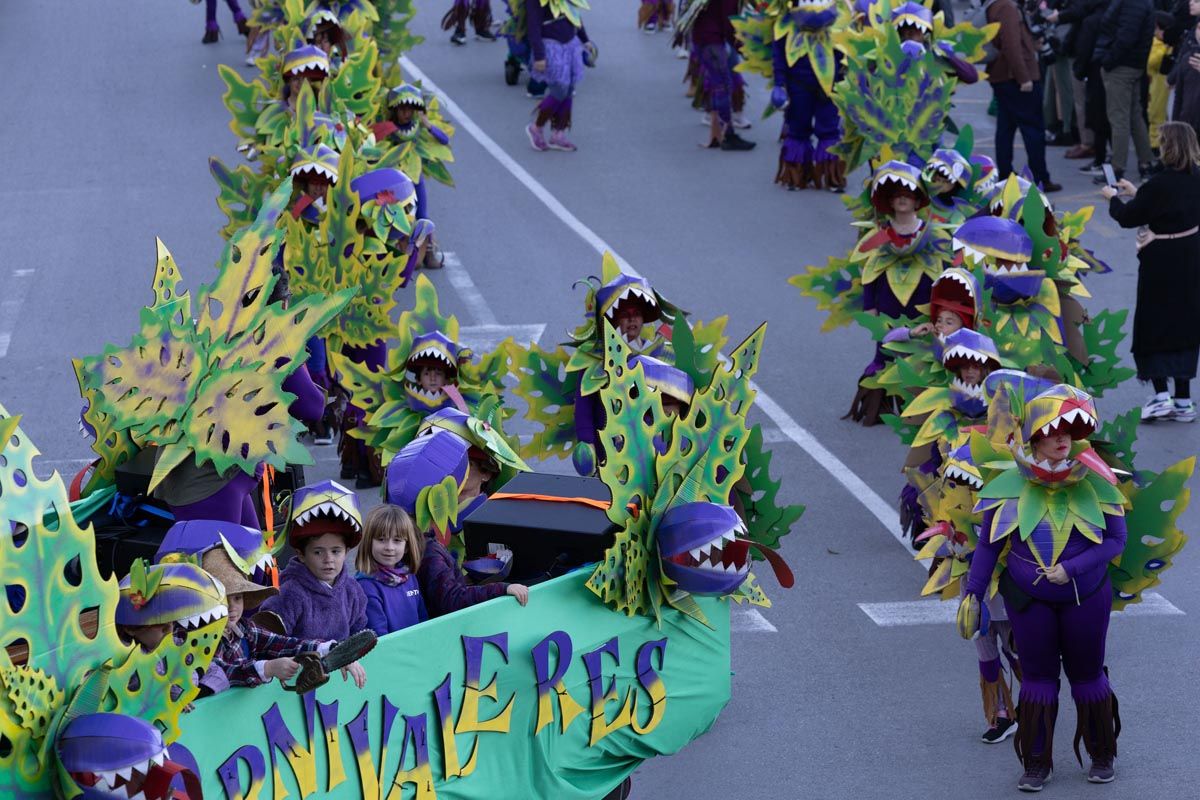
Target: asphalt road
[{"x": 110, "y": 119}]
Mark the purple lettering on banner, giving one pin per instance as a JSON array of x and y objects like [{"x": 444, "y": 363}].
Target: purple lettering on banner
[{"x": 548, "y": 683}]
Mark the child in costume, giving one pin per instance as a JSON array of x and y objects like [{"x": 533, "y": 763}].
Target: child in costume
[
  {"x": 387, "y": 563},
  {"x": 318, "y": 597},
  {"x": 155, "y": 599},
  {"x": 560, "y": 47},
  {"x": 655, "y": 15},
  {"x": 714, "y": 41},
  {"x": 901, "y": 256},
  {"x": 1064, "y": 517},
  {"x": 324, "y": 31},
  {"x": 479, "y": 12},
  {"x": 249, "y": 654},
  {"x": 429, "y": 461},
  {"x": 212, "y": 31}
]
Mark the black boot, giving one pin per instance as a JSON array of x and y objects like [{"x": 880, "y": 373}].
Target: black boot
[{"x": 734, "y": 142}]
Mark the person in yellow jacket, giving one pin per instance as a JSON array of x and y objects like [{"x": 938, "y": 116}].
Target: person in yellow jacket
[{"x": 1156, "y": 109}]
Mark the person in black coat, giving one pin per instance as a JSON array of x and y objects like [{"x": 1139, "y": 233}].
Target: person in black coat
[
  {"x": 1123, "y": 48},
  {"x": 1166, "y": 320},
  {"x": 1084, "y": 16},
  {"x": 1184, "y": 77}
]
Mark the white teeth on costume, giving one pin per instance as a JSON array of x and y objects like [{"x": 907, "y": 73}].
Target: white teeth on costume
[
  {"x": 314, "y": 169},
  {"x": 314, "y": 63},
  {"x": 431, "y": 351},
  {"x": 970, "y": 389},
  {"x": 695, "y": 553},
  {"x": 903, "y": 180},
  {"x": 970, "y": 254},
  {"x": 636, "y": 291},
  {"x": 961, "y": 351},
  {"x": 957, "y": 278},
  {"x": 711, "y": 555},
  {"x": 1007, "y": 267},
  {"x": 424, "y": 394},
  {"x": 962, "y": 476}
]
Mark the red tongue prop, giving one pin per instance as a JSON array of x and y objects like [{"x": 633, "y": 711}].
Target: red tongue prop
[
  {"x": 456, "y": 397},
  {"x": 942, "y": 528},
  {"x": 158, "y": 782},
  {"x": 382, "y": 130},
  {"x": 1092, "y": 460},
  {"x": 783, "y": 573}
]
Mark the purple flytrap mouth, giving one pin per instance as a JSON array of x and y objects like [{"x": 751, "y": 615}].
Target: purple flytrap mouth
[{"x": 701, "y": 551}]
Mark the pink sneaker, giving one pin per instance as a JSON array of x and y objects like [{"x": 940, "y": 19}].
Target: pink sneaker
[
  {"x": 559, "y": 141},
  {"x": 536, "y": 138}
]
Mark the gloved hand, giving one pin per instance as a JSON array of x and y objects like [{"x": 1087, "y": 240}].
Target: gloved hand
[
  {"x": 913, "y": 50},
  {"x": 779, "y": 97},
  {"x": 973, "y": 617},
  {"x": 590, "y": 54}
]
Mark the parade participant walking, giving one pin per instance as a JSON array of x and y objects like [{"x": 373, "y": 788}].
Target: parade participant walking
[
  {"x": 1166, "y": 320},
  {"x": 480, "y": 14},
  {"x": 1064, "y": 519},
  {"x": 714, "y": 39},
  {"x": 559, "y": 44},
  {"x": 212, "y": 31}
]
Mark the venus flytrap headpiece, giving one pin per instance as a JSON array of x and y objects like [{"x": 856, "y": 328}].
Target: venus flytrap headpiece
[
  {"x": 189, "y": 540},
  {"x": 182, "y": 593},
  {"x": 325, "y": 507}
]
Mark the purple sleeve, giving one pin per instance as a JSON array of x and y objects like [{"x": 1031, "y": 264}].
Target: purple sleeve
[
  {"x": 983, "y": 561},
  {"x": 1097, "y": 555},
  {"x": 439, "y": 134},
  {"x": 583, "y": 37},
  {"x": 287, "y": 605},
  {"x": 779, "y": 60},
  {"x": 533, "y": 29},
  {"x": 444, "y": 586},
  {"x": 309, "y": 404},
  {"x": 358, "y": 613}
]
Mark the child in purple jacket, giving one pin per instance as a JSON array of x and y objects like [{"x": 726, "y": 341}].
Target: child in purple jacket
[
  {"x": 387, "y": 562},
  {"x": 318, "y": 597}
]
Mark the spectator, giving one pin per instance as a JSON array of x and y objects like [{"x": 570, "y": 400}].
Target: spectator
[
  {"x": 1166, "y": 319},
  {"x": 1058, "y": 93},
  {"x": 1078, "y": 49},
  {"x": 1185, "y": 76},
  {"x": 1123, "y": 50},
  {"x": 1156, "y": 109},
  {"x": 1017, "y": 88}
]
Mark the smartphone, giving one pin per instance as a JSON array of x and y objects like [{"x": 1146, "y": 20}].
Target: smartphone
[{"x": 1110, "y": 177}]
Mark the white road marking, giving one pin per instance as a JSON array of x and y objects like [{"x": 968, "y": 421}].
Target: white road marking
[
  {"x": 481, "y": 338},
  {"x": 749, "y": 620},
  {"x": 10, "y": 307},
  {"x": 460, "y": 279},
  {"x": 943, "y": 612},
  {"x": 876, "y": 505}
]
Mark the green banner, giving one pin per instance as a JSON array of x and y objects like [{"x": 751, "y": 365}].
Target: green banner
[{"x": 561, "y": 699}]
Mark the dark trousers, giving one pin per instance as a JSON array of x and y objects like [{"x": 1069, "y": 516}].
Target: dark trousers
[{"x": 1016, "y": 109}]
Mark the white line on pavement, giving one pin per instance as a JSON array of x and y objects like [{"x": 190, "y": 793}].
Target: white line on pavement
[
  {"x": 875, "y": 504},
  {"x": 749, "y": 620},
  {"x": 10, "y": 307},
  {"x": 460, "y": 279},
  {"x": 939, "y": 612}
]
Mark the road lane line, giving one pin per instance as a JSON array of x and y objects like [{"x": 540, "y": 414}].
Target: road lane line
[
  {"x": 749, "y": 620},
  {"x": 460, "y": 279},
  {"x": 941, "y": 612},
  {"x": 10, "y": 307},
  {"x": 876, "y": 505}
]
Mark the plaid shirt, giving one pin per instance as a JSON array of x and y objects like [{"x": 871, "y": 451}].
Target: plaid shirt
[{"x": 245, "y": 643}]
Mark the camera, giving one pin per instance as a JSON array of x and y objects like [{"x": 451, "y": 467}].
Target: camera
[{"x": 1037, "y": 17}]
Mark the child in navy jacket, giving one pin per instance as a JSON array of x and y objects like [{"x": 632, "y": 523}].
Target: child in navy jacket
[{"x": 387, "y": 562}]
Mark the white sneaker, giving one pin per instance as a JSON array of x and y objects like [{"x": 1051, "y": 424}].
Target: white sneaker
[
  {"x": 681, "y": 53},
  {"x": 650, "y": 28},
  {"x": 740, "y": 121},
  {"x": 1183, "y": 411},
  {"x": 705, "y": 118},
  {"x": 1158, "y": 407}
]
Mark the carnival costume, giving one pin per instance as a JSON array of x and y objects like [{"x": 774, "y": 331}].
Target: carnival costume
[
  {"x": 1069, "y": 514},
  {"x": 197, "y": 406},
  {"x": 558, "y": 40},
  {"x": 792, "y": 45},
  {"x": 655, "y": 15},
  {"x": 479, "y": 12},
  {"x": 212, "y": 31},
  {"x": 719, "y": 89},
  {"x": 899, "y": 85}
]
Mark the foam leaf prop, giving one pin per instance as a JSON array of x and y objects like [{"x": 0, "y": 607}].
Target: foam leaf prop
[
  {"x": 214, "y": 387},
  {"x": 1154, "y": 536},
  {"x": 548, "y": 390}
]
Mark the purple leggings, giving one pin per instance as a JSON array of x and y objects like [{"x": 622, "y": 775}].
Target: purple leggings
[
  {"x": 210, "y": 13},
  {"x": 233, "y": 502},
  {"x": 716, "y": 68},
  {"x": 1054, "y": 637}
]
